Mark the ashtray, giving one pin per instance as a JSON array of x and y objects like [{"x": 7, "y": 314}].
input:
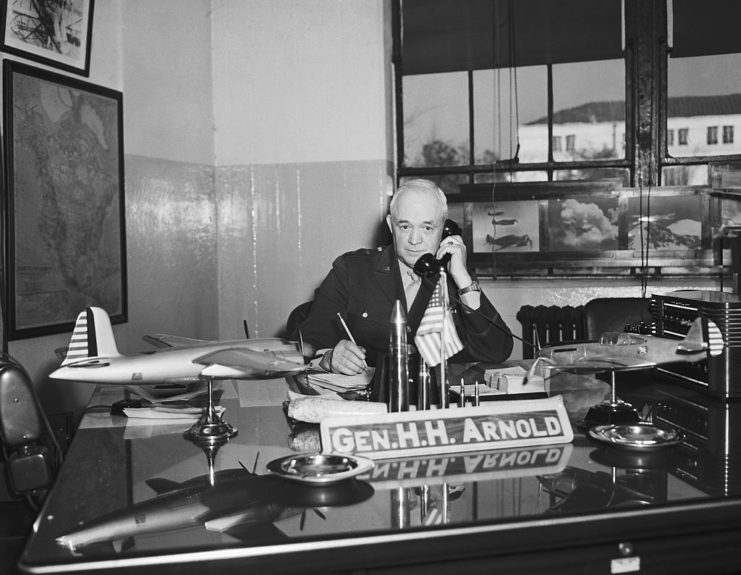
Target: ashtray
[
  {"x": 640, "y": 436},
  {"x": 319, "y": 468}
]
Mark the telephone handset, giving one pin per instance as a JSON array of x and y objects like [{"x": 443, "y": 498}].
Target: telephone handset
[{"x": 427, "y": 264}]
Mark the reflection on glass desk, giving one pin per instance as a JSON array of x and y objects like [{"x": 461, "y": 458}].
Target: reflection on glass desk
[{"x": 135, "y": 496}]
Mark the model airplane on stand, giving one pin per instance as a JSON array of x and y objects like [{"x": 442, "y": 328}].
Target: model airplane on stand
[
  {"x": 616, "y": 351},
  {"x": 93, "y": 357}
]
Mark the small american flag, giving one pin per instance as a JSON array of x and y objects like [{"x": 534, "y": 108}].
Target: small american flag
[{"x": 429, "y": 333}]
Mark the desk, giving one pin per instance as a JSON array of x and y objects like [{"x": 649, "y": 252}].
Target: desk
[{"x": 575, "y": 508}]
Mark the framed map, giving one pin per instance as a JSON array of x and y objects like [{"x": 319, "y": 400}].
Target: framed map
[
  {"x": 63, "y": 205},
  {"x": 53, "y": 32}
]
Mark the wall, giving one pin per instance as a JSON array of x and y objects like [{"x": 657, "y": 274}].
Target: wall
[
  {"x": 158, "y": 55},
  {"x": 302, "y": 108}
]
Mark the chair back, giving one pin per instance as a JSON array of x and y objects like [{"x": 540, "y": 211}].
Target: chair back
[
  {"x": 29, "y": 465},
  {"x": 614, "y": 314},
  {"x": 296, "y": 318}
]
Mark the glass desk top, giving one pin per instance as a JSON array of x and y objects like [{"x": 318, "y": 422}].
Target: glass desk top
[{"x": 135, "y": 494}]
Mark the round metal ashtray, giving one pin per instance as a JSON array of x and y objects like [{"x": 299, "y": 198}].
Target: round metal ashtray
[
  {"x": 321, "y": 468},
  {"x": 636, "y": 436}
]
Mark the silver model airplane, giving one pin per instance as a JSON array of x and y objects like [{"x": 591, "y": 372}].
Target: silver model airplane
[
  {"x": 619, "y": 351},
  {"x": 92, "y": 357}
]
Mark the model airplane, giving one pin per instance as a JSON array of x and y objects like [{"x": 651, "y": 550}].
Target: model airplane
[
  {"x": 92, "y": 357},
  {"x": 619, "y": 351},
  {"x": 238, "y": 503}
]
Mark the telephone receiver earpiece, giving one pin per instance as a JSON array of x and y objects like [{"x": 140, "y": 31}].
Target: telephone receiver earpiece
[{"x": 427, "y": 264}]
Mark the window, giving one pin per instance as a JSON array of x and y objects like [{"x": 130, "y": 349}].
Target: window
[
  {"x": 481, "y": 85},
  {"x": 670, "y": 137},
  {"x": 684, "y": 136},
  {"x": 712, "y": 135},
  {"x": 703, "y": 58}
]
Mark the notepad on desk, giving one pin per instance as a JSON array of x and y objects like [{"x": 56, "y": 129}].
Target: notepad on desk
[{"x": 511, "y": 380}]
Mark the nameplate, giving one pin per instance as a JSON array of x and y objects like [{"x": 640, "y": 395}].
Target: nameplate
[
  {"x": 475, "y": 466},
  {"x": 496, "y": 425}
]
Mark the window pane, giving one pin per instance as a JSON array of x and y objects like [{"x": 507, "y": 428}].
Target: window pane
[
  {"x": 696, "y": 175},
  {"x": 529, "y": 176},
  {"x": 619, "y": 174},
  {"x": 704, "y": 92},
  {"x": 589, "y": 110},
  {"x": 436, "y": 120},
  {"x": 502, "y": 99},
  {"x": 712, "y": 135}
]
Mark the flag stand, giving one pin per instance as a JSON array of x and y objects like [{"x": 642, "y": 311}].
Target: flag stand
[{"x": 443, "y": 337}]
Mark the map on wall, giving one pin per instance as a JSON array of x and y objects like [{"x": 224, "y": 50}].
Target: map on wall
[{"x": 66, "y": 200}]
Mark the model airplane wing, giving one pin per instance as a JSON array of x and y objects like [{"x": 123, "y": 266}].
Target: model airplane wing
[
  {"x": 252, "y": 533},
  {"x": 240, "y": 362},
  {"x": 165, "y": 340}
]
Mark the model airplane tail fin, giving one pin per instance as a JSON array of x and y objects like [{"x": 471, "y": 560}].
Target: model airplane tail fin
[
  {"x": 92, "y": 337},
  {"x": 695, "y": 339}
]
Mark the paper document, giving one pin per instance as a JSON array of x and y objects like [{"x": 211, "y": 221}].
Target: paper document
[
  {"x": 338, "y": 382},
  {"x": 163, "y": 413}
]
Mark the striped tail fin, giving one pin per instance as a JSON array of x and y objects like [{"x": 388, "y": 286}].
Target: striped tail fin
[{"x": 92, "y": 337}]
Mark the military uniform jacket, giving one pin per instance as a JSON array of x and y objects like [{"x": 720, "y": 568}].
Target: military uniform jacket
[{"x": 364, "y": 285}]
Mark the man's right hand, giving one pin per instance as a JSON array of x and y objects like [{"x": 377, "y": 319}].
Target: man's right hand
[{"x": 345, "y": 358}]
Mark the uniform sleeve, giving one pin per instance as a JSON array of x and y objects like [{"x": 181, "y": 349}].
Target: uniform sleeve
[{"x": 484, "y": 334}]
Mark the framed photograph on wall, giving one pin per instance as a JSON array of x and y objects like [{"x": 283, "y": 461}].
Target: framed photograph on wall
[
  {"x": 65, "y": 240},
  {"x": 53, "y": 32},
  {"x": 589, "y": 228}
]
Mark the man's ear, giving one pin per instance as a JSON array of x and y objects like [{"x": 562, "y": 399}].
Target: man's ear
[{"x": 388, "y": 222}]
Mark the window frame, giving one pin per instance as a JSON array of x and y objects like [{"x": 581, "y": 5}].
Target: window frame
[
  {"x": 712, "y": 135},
  {"x": 728, "y": 134}
]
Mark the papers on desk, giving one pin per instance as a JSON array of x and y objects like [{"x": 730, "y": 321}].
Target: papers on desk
[
  {"x": 164, "y": 393},
  {"x": 164, "y": 414},
  {"x": 511, "y": 380},
  {"x": 323, "y": 381}
]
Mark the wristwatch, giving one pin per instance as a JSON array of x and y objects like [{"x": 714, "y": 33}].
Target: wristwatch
[{"x": 473, "y": 287}]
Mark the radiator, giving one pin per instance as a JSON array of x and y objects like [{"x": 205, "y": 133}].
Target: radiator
[{"x": 552, "y": 324}]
